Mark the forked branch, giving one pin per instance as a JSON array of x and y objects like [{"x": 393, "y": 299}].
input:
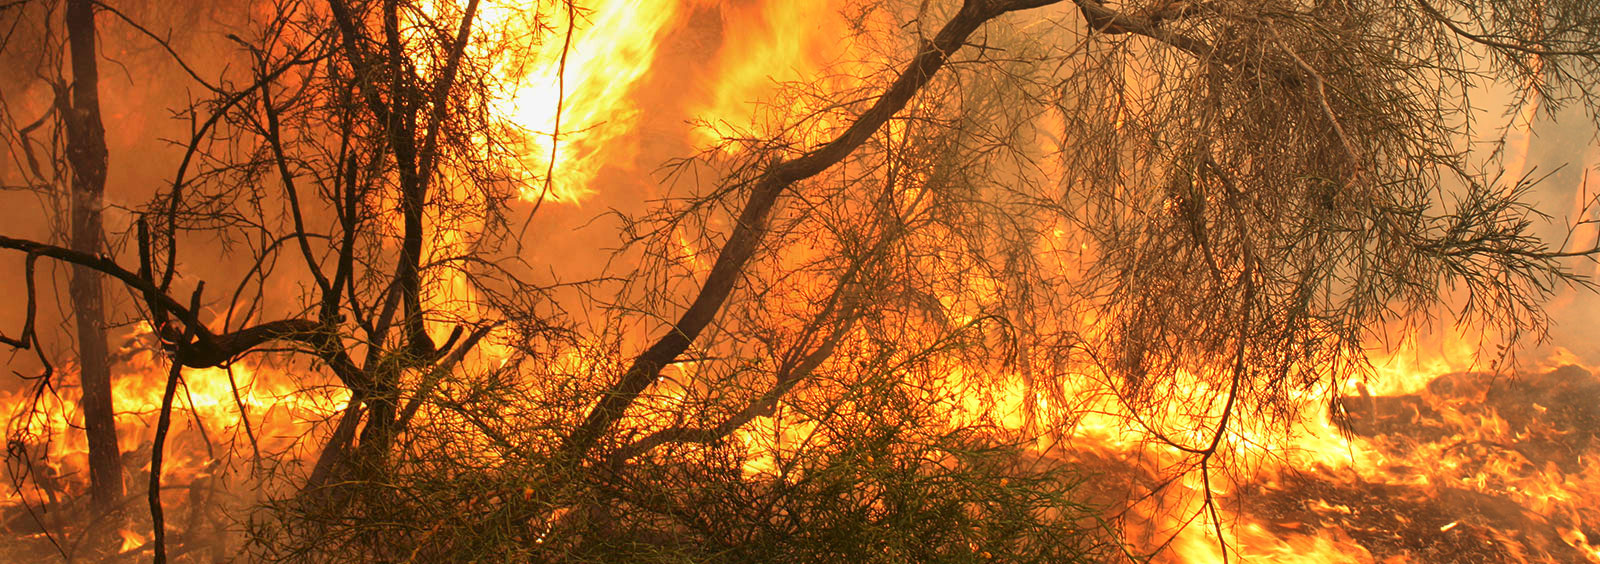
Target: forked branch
[{"x": 751, "y": 228}]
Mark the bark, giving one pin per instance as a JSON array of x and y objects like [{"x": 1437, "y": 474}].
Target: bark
[{"x": 86, "y": 154}]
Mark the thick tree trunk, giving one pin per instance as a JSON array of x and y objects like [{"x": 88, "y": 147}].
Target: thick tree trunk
[{"x": 86, "y": 154}]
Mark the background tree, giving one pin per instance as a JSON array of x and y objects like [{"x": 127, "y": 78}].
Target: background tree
[
  {"x": 239, "y": 182},
  {"x": 71, "y": 161},
  {"x": 86, "y": 151}
]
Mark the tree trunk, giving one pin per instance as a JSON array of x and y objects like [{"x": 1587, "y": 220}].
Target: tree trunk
[{"x": 86, "y": 154}]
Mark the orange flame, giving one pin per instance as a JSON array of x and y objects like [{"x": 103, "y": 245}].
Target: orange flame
[{"x": 602, "y": 49}]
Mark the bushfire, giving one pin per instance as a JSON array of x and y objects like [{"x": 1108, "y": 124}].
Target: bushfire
[{"x": 799, "y": 280}]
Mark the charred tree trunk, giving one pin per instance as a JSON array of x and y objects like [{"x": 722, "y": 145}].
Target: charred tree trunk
[{"x": 86, "y": 154}]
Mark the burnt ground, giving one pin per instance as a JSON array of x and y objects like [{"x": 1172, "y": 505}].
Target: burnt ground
[{"x": 1475, "y": 505}]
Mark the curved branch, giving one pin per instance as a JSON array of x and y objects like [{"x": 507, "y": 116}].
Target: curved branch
[
  {"x": 1106, "y": 20},
  {"x": 751, "y": 227},
  {"x": 26, "y": 338},
  {"x": 205, "y": 348},
  {"x": 110, "y": 267},
  {"x": 1496, "y": 41}
]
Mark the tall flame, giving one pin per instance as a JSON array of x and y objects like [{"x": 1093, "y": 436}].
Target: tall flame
[{"x": 573, "y": 97}]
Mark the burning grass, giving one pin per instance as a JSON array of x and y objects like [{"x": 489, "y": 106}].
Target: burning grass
[{"x": 1476, "y": 467}]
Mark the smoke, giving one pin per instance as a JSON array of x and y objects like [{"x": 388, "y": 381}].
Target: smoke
[{"x": 1559, "y": 148}]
